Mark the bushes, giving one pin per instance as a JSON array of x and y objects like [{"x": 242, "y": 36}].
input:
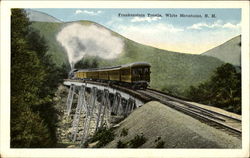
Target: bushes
[
  {"x": 136, "y": 142},
  {"x": 121, "y": 144},
  {"x": 223, "y": 90},
  {"x": 103, "y": 136},
  {"x": 160, "y": 144},
  {"x": 124, "y": 132}
]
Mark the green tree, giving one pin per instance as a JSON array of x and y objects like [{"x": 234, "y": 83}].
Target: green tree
[
  {"x": 33, "y": 82},
  {"x": 222, "y": 90},
  {"x": 87, "y": 63}
]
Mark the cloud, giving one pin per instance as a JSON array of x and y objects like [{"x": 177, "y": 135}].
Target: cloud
[
  {"x": 88, "y": 12},
  {"x": 180, "y": 39},
  {"x": 142, "y": 19},
  {"x": 217, "y": 24},
  {"x": 232, "y": 26}
]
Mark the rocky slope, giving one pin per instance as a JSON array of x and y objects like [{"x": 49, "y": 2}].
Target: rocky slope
[{"x": 167, "y": 128}]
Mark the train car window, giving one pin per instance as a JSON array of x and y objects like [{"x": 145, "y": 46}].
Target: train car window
[
  {"x": 125, "y": 72},
  {"x": 140, "y": 70},
  {"x": 134, "y": 72},
  {"x": 146, "y": 70}
]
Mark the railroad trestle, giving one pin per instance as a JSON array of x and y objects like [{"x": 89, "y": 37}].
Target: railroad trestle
[{"x": 96, "y": 104}]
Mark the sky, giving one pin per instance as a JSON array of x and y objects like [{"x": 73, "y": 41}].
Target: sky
[{"x": 199, "y": 31}]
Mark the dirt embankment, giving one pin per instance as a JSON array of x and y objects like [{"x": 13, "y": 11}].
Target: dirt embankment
[{"x": 168, "y": 128}]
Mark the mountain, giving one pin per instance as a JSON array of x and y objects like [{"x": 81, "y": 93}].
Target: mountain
[
  {"x": 172, "y": 72},
  {"x": 229, "y": 52},
  {"x": 40, "y": 16}
]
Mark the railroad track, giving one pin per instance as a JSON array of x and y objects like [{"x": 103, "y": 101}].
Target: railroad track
[{"x": 213, "y": 118}]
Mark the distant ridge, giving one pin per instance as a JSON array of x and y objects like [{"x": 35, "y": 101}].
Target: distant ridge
[
  {"x": 229, "y": 52},
  {"x": 40, "y": 16},
  {"x": 171, "y": 72}
]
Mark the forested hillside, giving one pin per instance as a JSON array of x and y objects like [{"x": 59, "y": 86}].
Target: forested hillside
[
  {"x": 172, "y": 72},
  {"x": 222, "y": 90},
  {"x": 34, "y": 80}
]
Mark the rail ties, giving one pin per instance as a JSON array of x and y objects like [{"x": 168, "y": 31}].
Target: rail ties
[{"x": 214, "y": 118}]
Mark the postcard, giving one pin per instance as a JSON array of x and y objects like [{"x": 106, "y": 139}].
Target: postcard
[{"x": 125, "y": 79}]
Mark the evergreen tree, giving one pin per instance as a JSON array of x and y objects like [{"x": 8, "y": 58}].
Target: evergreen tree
[
  {"x": 33, "y": 83},
  {"x": 87, "y": 63},
  {"x": 222, "y": 90}
]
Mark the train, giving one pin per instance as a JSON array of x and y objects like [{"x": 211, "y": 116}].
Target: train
[{"x": 134, "y": 75}]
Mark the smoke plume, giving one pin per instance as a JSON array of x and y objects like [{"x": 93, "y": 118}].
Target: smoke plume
[{"x": 80, "y": 40}]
